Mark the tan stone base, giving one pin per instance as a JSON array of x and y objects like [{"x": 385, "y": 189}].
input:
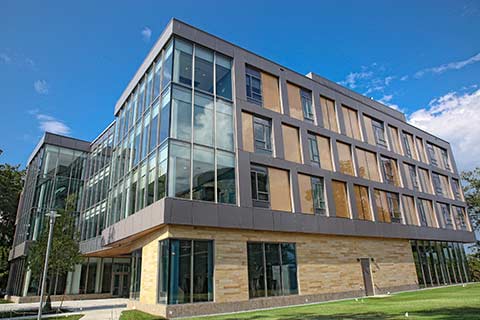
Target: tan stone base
[
  {"x": 207, "y": 308},
  {"x": 68, "y": 297}
]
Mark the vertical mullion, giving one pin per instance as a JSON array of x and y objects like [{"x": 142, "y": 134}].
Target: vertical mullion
[
  {"x": 192, "y": 105},
  {"x": 215, "y": 160},
  {"x": 191, "y": 270},
  {"x": 282, "y": 290},
  {"x": 264, "y": 269}
]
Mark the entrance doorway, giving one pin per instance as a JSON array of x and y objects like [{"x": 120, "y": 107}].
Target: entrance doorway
[
  {"x": 120, "y": 284},
  {"x": 367, "y": 276}
]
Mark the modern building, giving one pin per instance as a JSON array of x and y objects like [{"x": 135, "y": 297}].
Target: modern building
[{"x": 228, "y": 182}]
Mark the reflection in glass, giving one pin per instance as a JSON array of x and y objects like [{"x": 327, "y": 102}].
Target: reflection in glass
[
  {"x": 203, "y": 174},
  {"x": 181, "y": 114},
  {"x": 223, "y": 75},
  {"x": 224, "y": 125},
  {"x": 182, "y": 69},
  {"x": 203, "y": 69},
  {"x": 226, "y": 177},
  {"x": 179, "y": 170},
  {"x": 203, "y": 119}
]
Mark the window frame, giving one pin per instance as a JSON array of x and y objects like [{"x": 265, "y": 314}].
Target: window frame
[
  {"x": 256, "y": 201},
  {"x": 378, "y": 128},
  {"x": 307, "y": 105},
  {"x": 251, "y": 74},
  {"x": 266, "y": 140}
]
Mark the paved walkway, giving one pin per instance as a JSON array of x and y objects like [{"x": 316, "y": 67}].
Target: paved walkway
[{"x": 101, "y": 309}]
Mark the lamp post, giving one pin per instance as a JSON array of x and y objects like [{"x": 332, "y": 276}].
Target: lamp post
[{"x": 52, "y": 214}]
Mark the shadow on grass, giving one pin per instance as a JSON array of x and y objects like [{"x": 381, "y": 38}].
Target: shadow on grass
[{"x": 444, "y": 314}]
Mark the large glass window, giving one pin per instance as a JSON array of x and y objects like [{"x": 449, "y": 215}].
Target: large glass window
[
  {"x": 185, "y": 271},
  {"x": 165, "y": 116},
  {"x": 153, "y": 128},
  {"x": 162, "y": 172},
  {"x": 136, "y": 274},
  {"x": 313, "y": 150},
  {"x": 262, "y": 130},
  {"x": 259, "y": 185},
  {"x": 179, "y": 170},
  {"x": 318, "y": 194},
  {"x": 181, "y": 114},
  {"x": 157, "y": 79},
  {"x": 182, "y": 71},
  {"x": 148, "y": 90},
  {"x": 307, "y": 106},
  {"x": 226, "y": 177},
  {"x": 224, "y": 125},
  {"x": 167, "y": 65},
  {"x": 203, "y": 119},
  {"x": 203, "y": 174},
  {"x": 272, "y": 269},
  {"x": 203, "y": 69},
  {"x": 223, "y": 76},
  {"x": 254, "y": 85}
]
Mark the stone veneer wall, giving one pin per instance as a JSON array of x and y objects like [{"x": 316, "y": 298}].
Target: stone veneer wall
[{"x": 327, "y": 269}]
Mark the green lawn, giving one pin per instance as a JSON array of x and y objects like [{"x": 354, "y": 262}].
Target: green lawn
[
  {"x": 443, "y": 303},
  {"x": 4, "y": 301},
  {"x": 137, "y": 315}
]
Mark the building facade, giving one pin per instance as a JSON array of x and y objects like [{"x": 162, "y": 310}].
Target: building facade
[{"x": 228, "y": 182}]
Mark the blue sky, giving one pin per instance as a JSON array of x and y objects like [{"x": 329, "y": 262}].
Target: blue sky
[{"x": 63, "y": 64}]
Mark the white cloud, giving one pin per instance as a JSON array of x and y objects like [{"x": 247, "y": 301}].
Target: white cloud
[
  {"x": 404, "y": 78},
  {"x": 456, "y": 65},
  {"x": 5, "y": 58},
  {"x": 146, "y": 34},
  {"x": 353, "y": 77},
  {"x": 386, "y": 101},
  {"x": 41, "y": 86},
  {"x": 454, "y": 117},
  {"x": 51, "y": 124}
]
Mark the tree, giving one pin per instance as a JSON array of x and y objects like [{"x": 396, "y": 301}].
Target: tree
[
  {"x": 11, "y": 184},
  {"x": 471, "y": 189},
  {"x": 65, "y": 252}
]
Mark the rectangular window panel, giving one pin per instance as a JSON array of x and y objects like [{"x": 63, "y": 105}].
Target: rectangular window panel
[
  {"x": 367, "y": 165},
  {"x": 256, "y": 270},
  {"x": 312, "y": 194},
  {"x": 409, "y": 210},
  {"x": 409, "y": 146},
  {"x": 223, "y": 76},
  {"x": 291, "y": 139},
  {"x": 352, "y": 128},
  {"x": 425, "y": 183},
  {"x": 167, "y": 65},
  {"x": 165, "y": 116},
  {"x": 279, "y": 185},
  {"x": 294, "y": 101},
  {"x": 148, "y": 88},
  {"x": 262, "y": 130},
  {"x": 203, "y": 69},
  {"x": 460, "y": 218},
  {"x": 182, "y": 69},
  {"x": 363, "y": 203},
  {"x": 457, "y": 192},
  {"x": 179, "y": 170},
  {"x": 157, "y": 79},
  {"x": 224, "y": 125},
  {"x": 443, "y": 212},
  {"x": 259, "y": 186},
  {"x": 202, "y": 271},
  {"x": 313, "y": 150},
  {"x": 273, "y": 269},
  {"x": 180, "y": 271},
  {"x": 289, "y": 268},
  {"x": 181, "y": 122},
  {"x": 247, "y": 132},
  {"x": 411, "y": 179},
  {"x": 254, "y": 85},
  {"x": 329, "y": 114},
  {"x": 388, "y": 206},
  {"x": 270, "y": 91},
  {"x": 432, "y": 154},
  {"x": 340, "y": 196},
  {"x": 151, "y": 179},
  {"x": 390, "y": 171},
  {"x": 162, "y": 172},
  {"x": 325, "y": 153},
  {"x": 226, "y": 177},
  {"x": 203, "y": 180},
  {"x": 345, "y": 158},
  {"x": 307, "y": 106},
  {"x": 203, "y": 119},
  {"x": 395, "y": 140},
  {"x": 421, "y": 150},
  {"x": 153, "y": 138}
]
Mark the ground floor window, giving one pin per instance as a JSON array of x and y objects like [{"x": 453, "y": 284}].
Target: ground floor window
[
  {"x": 272, "y": 269},
  {"x": 185, "y": 271},
  {"x": 136, "y": 274},
  {"x": 439, "y": 263}
]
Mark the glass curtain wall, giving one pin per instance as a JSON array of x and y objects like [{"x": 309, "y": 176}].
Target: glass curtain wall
[{"x": 174, "y": 136}]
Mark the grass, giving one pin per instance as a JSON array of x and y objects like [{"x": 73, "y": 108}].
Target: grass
[
  {"x": 443, "y": 303},
  {"x": 137, "y": 315},
  {"x": 2, "y": 301}
]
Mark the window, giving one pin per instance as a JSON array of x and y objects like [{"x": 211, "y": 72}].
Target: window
[
  {"x": 437, "y": 184},
  {"x": 224, "y": 125},
  {"x": 409, "y": 210},
  {"x": 345, "y": 158},
  {"x": 409, "y": 146},
  {"x": 203, "y": 123},
  {"x": 157, "y": 77},
  {"x": 153, "y": 128},
  {"x": 421, "y": 150},
  {"x": 425, "y": 213},
  {"x": 203, "y": 69},
  {"x": 388, "y": 206},
  {"x": 185, "y": 271},
  {"x": 329, "y": 114},
  {"x": 411, "y": 177},
  {"x": 313, "y": 150},
  {"x": 431, "y": 153},
  {"x": 307, "y": 105},
  {"x": 167, "y": 65},
  {"x": 182, "y": 69},
  {"x": 226, "y": 177},
  {"x": 367, "y": 165},
  {"x": 295, "y": 101},
  {"x": 262, "y": 130},
  {"x": 223, "y": 76},
  {"x": 340, "y": 196},
  {"x": 162, "y": 172},
  {"x": 351, "y": 123},
  {"x": 363, "y": 203},
  {"x": 425, "y": 184},
  {"x": 456, "y": 190},
  {"x": 460, "y": 219},
  {"x": 389, "y": 171},
  {"x": 445, "y": 214},
  {"x": 292, "y": 140},
  {"x": 259, "y": 184},
  {"x": 203, "y": 179},
  {"x": 254, "y": 85},
  {"x": 181, "y": 122},
  {"x": 279, "y": 186},
  {"x": 136, "y": 274},
  {"x": 395, "y": 140},
  {"x": 179, "y": 170},
  {"x": 148, "y": 88},
  {"x": 272, "y": 269},
  {"x": 312, "y": 194},
  {"x": 165, "y": 116},
  {"x": 446, "y": 162},
  {"x": 375, "y": 132}
]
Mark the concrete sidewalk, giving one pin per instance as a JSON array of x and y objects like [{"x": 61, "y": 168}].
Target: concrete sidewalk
[{"x": 101, "y": 309}]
